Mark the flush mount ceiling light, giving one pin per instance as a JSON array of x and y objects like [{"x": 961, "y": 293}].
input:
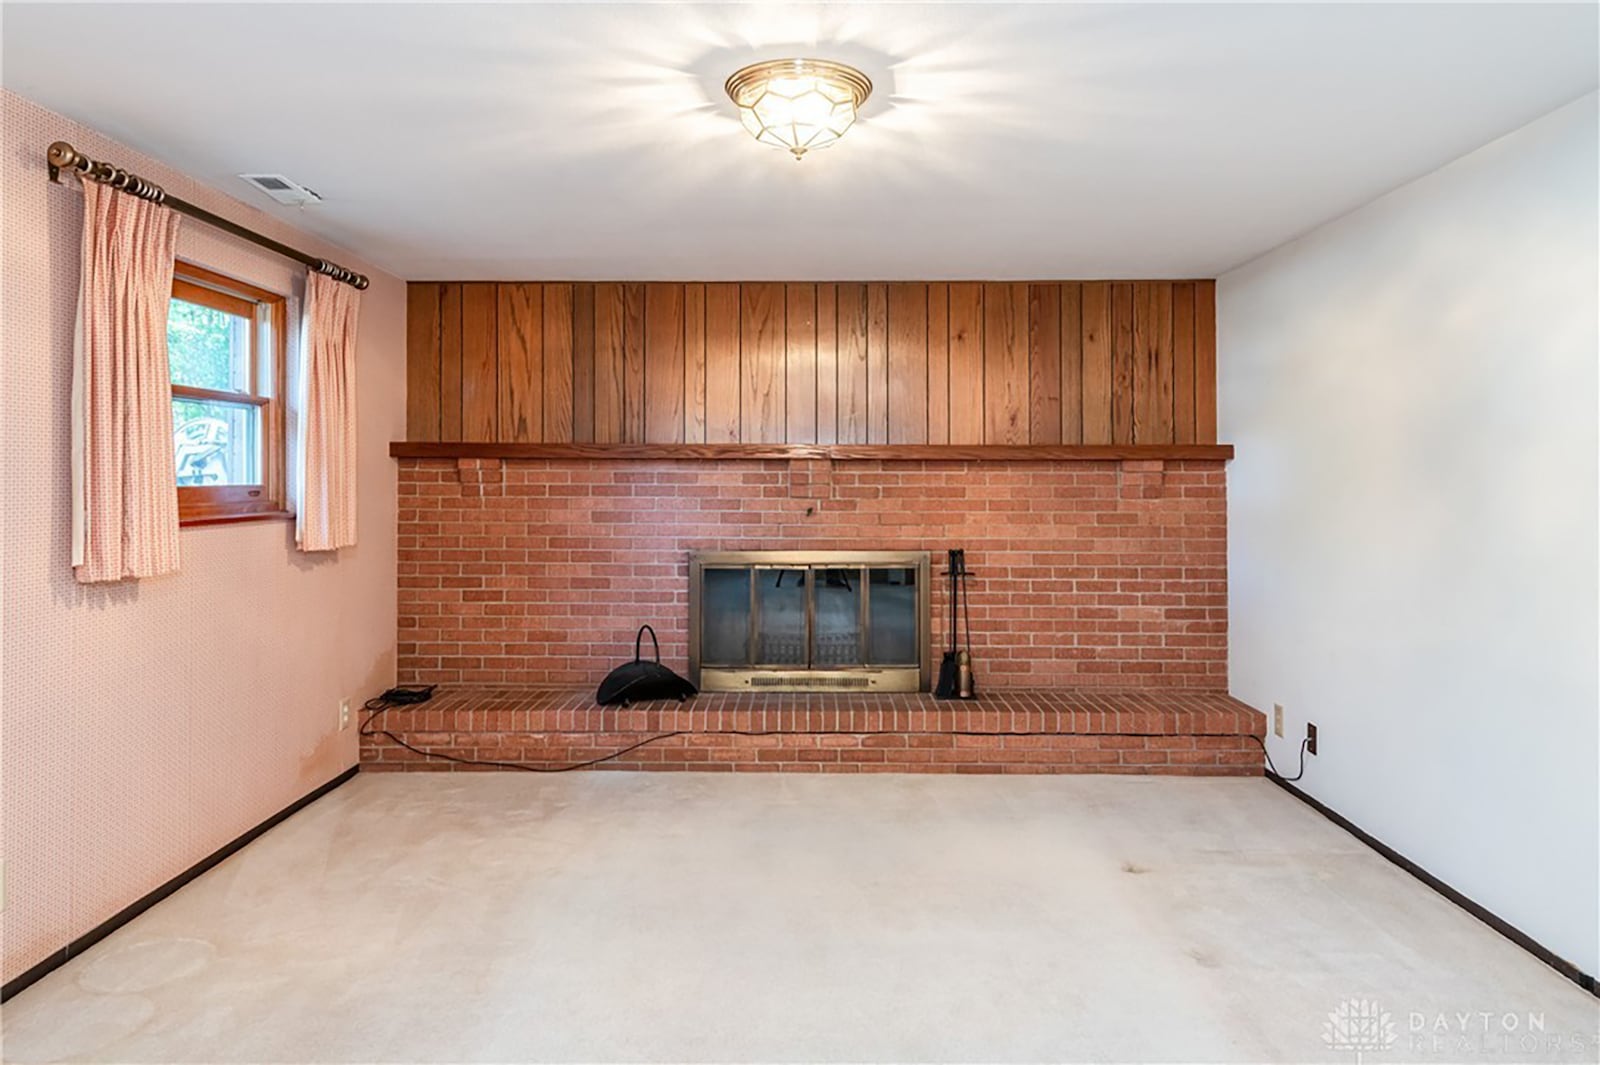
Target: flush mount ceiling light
[{"x": 798, "y": 104}]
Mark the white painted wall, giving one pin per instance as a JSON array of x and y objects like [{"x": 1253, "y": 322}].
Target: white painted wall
[{"x": 1413, "y": 518}]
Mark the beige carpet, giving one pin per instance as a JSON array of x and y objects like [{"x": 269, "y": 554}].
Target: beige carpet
[{"x": 644, "y": 917}]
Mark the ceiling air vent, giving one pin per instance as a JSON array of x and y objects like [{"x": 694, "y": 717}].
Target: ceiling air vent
[{"x": 289, "y": 193}]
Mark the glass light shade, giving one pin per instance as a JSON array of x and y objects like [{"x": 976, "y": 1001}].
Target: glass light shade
[{"x": 798, "y": 104}]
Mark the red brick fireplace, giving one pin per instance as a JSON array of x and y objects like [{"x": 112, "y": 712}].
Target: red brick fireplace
[
  {"x": 534, "y": 573},
  {"x": 539, "y": 571}
]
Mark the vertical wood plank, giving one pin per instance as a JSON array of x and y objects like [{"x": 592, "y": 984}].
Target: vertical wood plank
[
  {"x": 1183, "y": 362},
  {"x": 878, "y": 364},
  {"x": 450, "y": 362},
  {"x": 1005, "y": 363},
  {"x": 480, "y": 382},
  {"x": 664, "y": 373},
  {"x": 852, "y": 355},
  {"x": 1160, "y": 429},
  {"x": 723, "y": 377},
  {"x": 521, "y": 344},
  {"x": 800, "y": 357},
  {"x": 633, "y": 386},
  {"x": 1071, "y": 363},
  {"x": 557, "y": 363},
  {"x": 583, "y": 363},
  {"x": 422, "y": 361},
  {"x": 966, "y": 363},
  {"x": 827, "y": 365},
  {"x": 761, "y": 327},
  {"x": 694, "y": 363},
  {"x": 608, "y": 364},
  {"x": 1044, "y": 364},
  {"x": 1205, "y": 362},
  {"x": 1097, "y": 372},
  {"x": 907, "y": 391},
  {"x": 938, "y": 363},
  {"x": 1122, "y": 360},
  {"x": 1144, "y": 358}
]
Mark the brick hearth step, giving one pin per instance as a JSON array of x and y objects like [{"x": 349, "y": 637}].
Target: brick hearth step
[{"x": 1195, "y": 733}]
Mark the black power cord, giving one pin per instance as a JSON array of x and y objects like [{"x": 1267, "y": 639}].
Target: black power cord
[
  {"x": 1272, "y": 770},
  {"x": 404, "y": 696}
]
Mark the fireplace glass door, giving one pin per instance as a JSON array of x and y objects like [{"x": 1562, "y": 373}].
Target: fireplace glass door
[{"x": 806, "y": 622}]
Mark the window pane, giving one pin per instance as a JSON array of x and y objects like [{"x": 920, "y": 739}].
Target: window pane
[
  {"x": 837, "y": 641},
  {"x": 781, "y": 617},
  {"x": 725, "y": 617},
  {"x": 216, "y": 443},
  {"x": 893, "y": 610},
  {"x": 208, "y": 348}
]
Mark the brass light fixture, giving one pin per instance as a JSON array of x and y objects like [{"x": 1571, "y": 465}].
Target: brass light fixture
[{"x": 798, "y": 104}]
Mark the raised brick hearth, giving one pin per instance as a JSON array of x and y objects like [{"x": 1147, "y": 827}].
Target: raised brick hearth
[{"x": 1173, "y": 732}]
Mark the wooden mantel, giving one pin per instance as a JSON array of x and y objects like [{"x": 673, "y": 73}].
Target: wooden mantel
[{"x": 838, "y": 452}]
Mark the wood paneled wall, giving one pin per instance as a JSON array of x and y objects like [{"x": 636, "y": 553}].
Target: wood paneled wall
[{"x": 1074, "y": 362}]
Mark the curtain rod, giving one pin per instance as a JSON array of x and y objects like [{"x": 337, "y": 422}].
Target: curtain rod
[{"x": 63, "y": 156}]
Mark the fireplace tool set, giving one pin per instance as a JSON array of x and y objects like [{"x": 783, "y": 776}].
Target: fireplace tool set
[{"x": 955, "y": 668}]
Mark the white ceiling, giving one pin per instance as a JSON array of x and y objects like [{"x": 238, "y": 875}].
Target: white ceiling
[{"x": 1003, "y": 140}]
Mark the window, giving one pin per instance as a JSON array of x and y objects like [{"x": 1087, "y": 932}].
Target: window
[{"x": 226, "y": 350}]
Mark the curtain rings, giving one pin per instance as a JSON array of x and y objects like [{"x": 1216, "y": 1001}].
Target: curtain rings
[
  {"x": 340, "y": 273},
  {"x": 122, "y": 180}
]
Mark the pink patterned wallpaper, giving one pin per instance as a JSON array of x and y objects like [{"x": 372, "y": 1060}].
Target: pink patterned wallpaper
[{"x": 145, "y": 725}]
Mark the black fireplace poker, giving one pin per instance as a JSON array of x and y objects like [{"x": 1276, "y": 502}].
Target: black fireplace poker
[{"x": 955, "y": 668}]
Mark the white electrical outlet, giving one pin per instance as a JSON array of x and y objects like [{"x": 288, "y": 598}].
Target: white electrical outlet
[
  {"x": 1277, "y": 720},
  {"x": 344, "y": 715}
]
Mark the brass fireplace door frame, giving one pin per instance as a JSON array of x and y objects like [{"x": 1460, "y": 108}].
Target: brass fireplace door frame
[{"x": 864, "y": 678}]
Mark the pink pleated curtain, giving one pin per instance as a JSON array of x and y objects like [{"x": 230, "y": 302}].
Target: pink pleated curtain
[
  {"x": 124, "y": 485},
  {"x": 326, "y": 517}
]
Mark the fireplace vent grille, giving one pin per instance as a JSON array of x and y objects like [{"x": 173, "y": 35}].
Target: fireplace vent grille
[{"x": 805, "y": 681}]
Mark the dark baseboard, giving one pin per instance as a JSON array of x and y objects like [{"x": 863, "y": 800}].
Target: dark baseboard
[
  {"x": 128, "y": 913},
  {"x": 1494, "y": 921}
]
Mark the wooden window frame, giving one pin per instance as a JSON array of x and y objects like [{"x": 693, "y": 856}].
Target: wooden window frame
[{"x": 269, "y": 314}]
